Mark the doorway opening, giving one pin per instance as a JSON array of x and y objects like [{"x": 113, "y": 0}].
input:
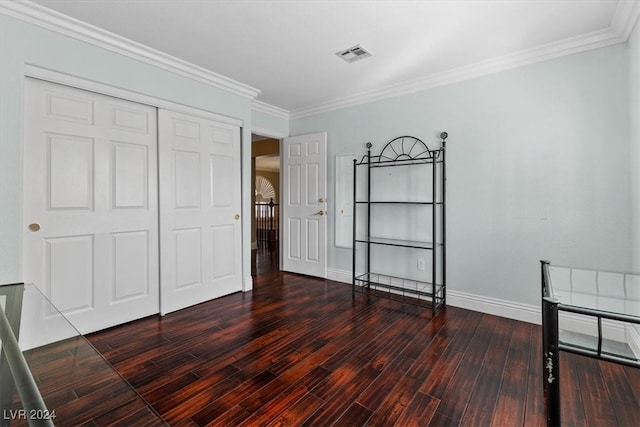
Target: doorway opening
[{"x": 265, "y": 224}]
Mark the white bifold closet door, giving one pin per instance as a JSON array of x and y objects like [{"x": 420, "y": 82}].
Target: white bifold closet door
[
  {"x": 90, "y": 208},
  {"x": 98, "y": 240},
  {"x": 200, "y": 201}
]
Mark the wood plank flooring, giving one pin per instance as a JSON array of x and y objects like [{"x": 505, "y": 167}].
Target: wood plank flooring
[{"x": 298, "y": 351}]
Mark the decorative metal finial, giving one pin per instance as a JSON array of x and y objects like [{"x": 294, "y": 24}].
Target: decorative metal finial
[
  {"x": 444, "y": 135},
  {"x": 369, "y": 145}
]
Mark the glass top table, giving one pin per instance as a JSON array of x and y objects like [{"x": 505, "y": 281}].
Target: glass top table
[
  {"x": 593, "y": 313},
  {"x": 599, "y": 311},
  {"x": 51, "y": 375}
]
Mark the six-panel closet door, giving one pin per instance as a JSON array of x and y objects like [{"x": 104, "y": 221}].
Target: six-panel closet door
[
  {"x": 90, "y": 205},
  {"x": 200, "y": 201},
  {"x": 97, "y": 239}
]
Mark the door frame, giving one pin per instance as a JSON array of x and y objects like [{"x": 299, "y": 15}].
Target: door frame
[
  {"x": 280, "y": 137},
  {"x": 48, "y": 75}
]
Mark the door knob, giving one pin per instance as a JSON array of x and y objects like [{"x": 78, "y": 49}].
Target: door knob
[
  {"x": 322, "y": 200},
  {"x": 320, "y": 213},
  {"x": 236, "y": 217},
  {"x": 34, "y": 227}
]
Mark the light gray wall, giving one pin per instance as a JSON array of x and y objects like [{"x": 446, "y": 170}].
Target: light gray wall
[
  {"x": 537, "y": 167},
  {"x": 22, "y": 43},
  {"x": 269, "y": 125},
  {"x": 634, "y": 141}
]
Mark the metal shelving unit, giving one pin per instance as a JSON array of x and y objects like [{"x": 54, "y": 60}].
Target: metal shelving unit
[{"x": 402, "y": 152}]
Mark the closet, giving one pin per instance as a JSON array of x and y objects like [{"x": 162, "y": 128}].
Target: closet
[{"x": 128, "y": 209}]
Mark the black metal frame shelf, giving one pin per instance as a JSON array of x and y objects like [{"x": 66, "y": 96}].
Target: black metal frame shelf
[
  {"x": 407, "y": 162},
  {"x": 404, "y": 151}
]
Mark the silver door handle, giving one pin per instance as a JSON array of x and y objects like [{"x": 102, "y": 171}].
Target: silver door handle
[{"x": 320, "y": 213}]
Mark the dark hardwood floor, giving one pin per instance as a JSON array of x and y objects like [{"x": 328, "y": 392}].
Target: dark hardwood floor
[{"x": 299, "y": 351}]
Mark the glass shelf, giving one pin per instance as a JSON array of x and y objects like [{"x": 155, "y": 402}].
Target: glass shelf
[
  {"x": 398, "y": 287},
  {"x": 589, "y": 343},
  {"x": 399, "y": 243},
  {"x": 399, "y": 202}
]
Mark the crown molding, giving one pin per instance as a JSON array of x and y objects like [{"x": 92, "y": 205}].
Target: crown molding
[
  {"x": 626, "y": 18},
  {"x": 622, "y": 25},
  {"x": 46, "y": 18},
  {"x": 272, "y": 110}
]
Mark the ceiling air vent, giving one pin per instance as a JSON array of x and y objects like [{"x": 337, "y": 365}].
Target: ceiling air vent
[{"x": 354, "y": 53}]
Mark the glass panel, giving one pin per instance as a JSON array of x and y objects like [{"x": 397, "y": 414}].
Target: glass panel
[
  {"x": 611, "y": 292},
  {"x": 578, "y": 330},
  {"x": 606, "y": 293},
  {"x": 76, "y": 384}
]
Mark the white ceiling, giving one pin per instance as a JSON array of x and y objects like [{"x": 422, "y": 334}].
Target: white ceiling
[{"x": 286, "y": 49}]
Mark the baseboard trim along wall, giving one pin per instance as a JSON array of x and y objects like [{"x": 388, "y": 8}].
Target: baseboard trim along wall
[
  {"x": 633, "y": 339},
  {"x": 343, "y": 276},
  {"x": 497, "y": 307},
  {"x": 524, "y": 313}
]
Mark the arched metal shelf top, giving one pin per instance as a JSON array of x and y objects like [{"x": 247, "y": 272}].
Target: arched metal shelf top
[{"x": 405, "y": 148}]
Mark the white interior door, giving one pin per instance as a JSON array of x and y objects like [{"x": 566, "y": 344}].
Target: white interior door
[
  {"x": 304, "y": 176},
  {"x": 90, "y": 208},
  {"x": 200, "y": 200}
]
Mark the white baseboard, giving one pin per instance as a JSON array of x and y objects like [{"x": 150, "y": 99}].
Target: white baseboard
[
  {"x": 343, "y": 276},
  {"x": 633, "y": 338},
  {"x": 498, "y": 307}
]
